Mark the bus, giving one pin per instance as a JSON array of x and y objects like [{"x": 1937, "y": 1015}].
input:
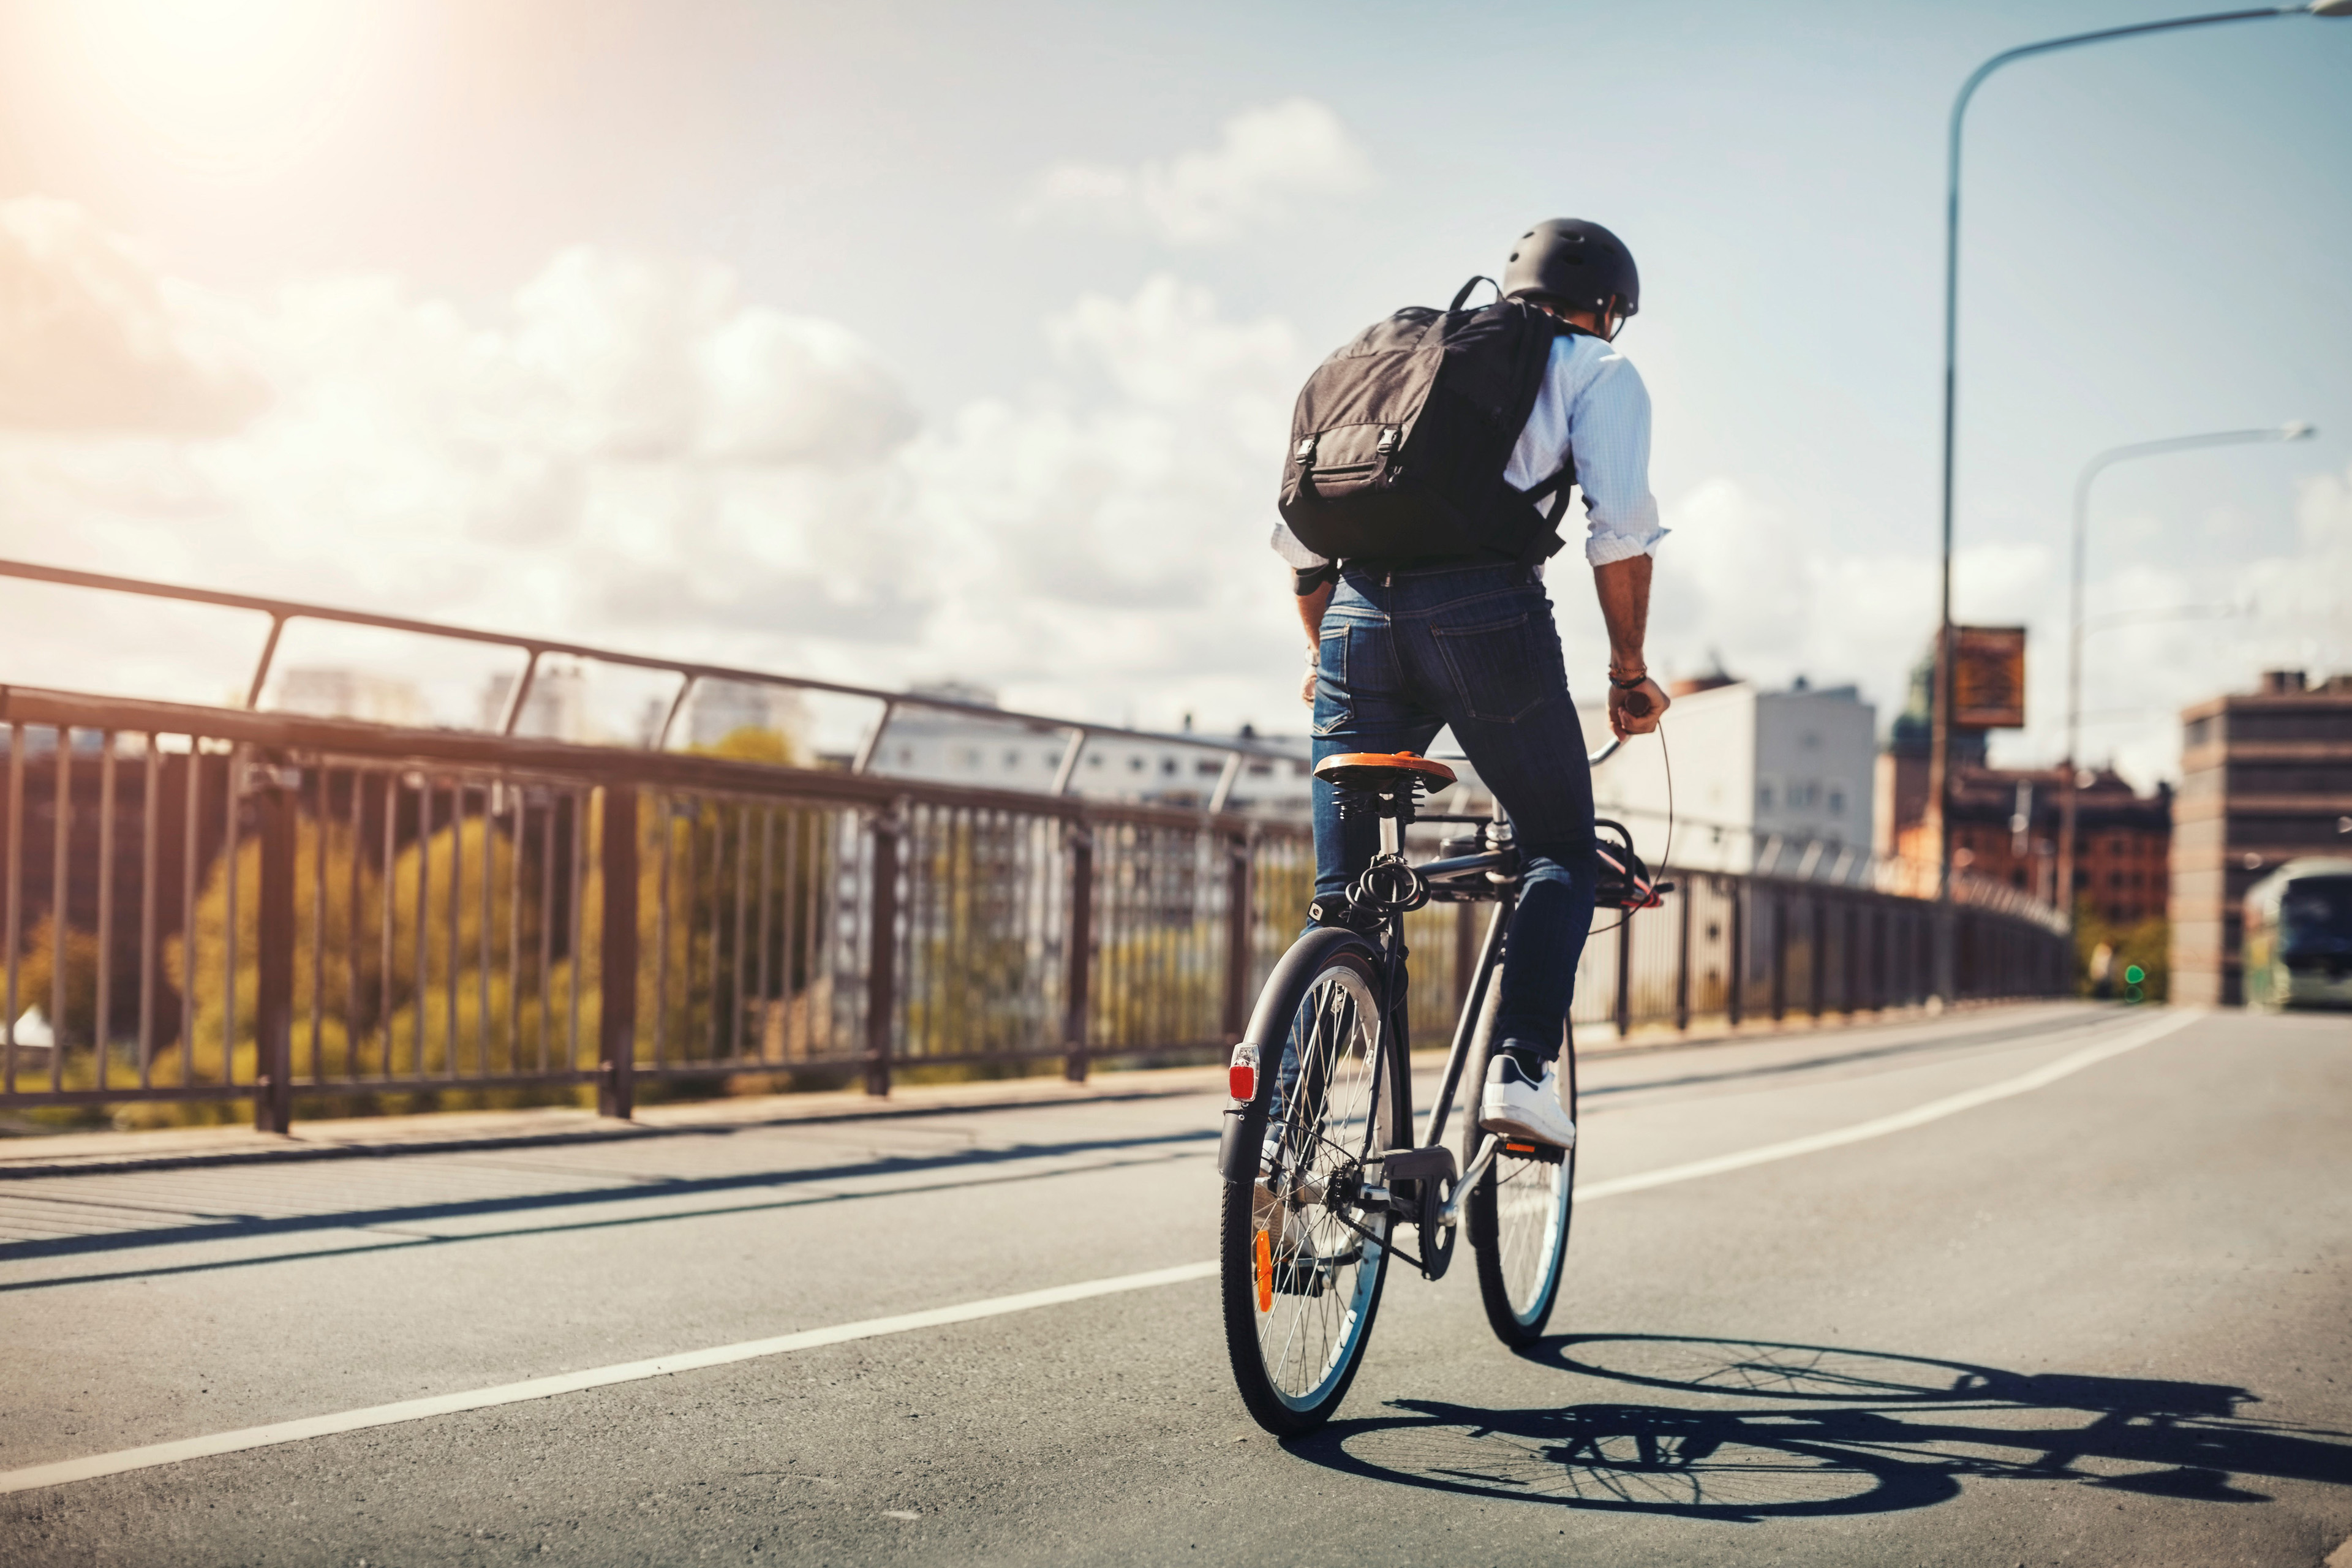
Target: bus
[{"x": 2298, "y": 948}]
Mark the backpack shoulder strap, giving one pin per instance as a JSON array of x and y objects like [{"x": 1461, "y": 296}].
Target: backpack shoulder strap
[{"x": 1462, "y": 294}]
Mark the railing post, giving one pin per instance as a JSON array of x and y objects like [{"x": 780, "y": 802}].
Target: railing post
[
  {"x": 616, "y": 1087},
  {"x": 1239, "y": 948},
  {"x": 273, "y": 1020},
  {"x": 882, "y": 955},
  {"x": 1078, "y": 962},
  {"x": 1817, "y": 921},
  {"x": 1779, "y": 956},
  {"x": 1848, "y": 924},
  {"x": 1681, "y": 951},
  {"x": 1735, "y": 994}
]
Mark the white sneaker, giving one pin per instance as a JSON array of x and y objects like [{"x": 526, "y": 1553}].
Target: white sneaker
[{"x": 1514, "y": 1104}]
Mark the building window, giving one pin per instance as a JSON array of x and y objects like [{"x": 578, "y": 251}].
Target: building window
[
  {"x": 1134, "y": 765},
  {"x": 1837, "y": 802},
  {"x": 1764, "y": 797},
  {"x": 1095, "y": 761}
]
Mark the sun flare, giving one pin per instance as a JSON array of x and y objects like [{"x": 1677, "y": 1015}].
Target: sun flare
[{"x": 229, "y": 86}]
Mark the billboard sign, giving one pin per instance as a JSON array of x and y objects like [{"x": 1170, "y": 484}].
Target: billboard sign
[{"x": 1989, "y": 678}]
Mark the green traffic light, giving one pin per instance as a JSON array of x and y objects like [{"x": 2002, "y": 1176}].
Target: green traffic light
[{"x": 2134, "y": 974}]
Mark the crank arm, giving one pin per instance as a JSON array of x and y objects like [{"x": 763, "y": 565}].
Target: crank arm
[{"x": 1451, "y": 1215}]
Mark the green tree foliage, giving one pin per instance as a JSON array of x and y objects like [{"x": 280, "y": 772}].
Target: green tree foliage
[{"x": 2148, "y": 943}]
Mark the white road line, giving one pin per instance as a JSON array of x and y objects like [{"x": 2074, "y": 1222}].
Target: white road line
[
  {"x": 310, "y": 1426},
  {"x": 1902, "y": 1121},
  {"x": 96, "y": 1465}
]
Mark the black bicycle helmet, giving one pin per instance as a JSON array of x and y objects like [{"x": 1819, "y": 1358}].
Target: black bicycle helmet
[{"x": 1579, "y": 265}]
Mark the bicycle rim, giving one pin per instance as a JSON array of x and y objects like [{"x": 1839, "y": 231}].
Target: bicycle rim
[
  {"x": 1521, "y": 1235},
  {"x": 1531, "y": 1201},
  {"x": 1302, "y": 1282}
]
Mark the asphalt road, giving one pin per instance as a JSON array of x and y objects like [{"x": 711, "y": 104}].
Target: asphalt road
[{"x": 2102, "y": 1318}]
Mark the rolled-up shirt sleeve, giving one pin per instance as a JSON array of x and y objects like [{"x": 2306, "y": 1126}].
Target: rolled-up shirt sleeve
[
  {"x": 1301, "y": 559},
  {"x": 1593, "y": 404},
  {"x": 1609, "y": 430}
]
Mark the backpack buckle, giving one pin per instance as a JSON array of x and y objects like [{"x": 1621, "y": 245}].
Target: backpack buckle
[
  {"x": 1305, "y": 453},
  {"x": 1391, "y": 435}
]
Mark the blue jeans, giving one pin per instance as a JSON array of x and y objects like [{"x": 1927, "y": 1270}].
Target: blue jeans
[{"x": 1407, "y": 654}]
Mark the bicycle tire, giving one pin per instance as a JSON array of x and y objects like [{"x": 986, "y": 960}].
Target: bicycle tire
[
  {"x": 1518, "y": 1215},
  {"x": 1299, "y": 1288}
]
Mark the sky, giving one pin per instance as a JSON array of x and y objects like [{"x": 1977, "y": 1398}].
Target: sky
[{"x": 907, "y": 342}]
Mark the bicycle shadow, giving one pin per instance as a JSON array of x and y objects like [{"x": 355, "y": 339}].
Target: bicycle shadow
[{"x": 1842, "y": 1431}]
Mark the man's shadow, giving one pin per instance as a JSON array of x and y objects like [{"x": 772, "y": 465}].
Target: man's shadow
[{"x": 1825, "y": 1430}]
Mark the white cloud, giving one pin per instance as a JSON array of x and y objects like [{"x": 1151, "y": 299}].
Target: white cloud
[
  {"x": 633, "y": 455},
  {"x": 1267, "y": 162},
  {"x": 636, "y": 456},
  {"x": 92, "y": 339},
  {"x": 1778, "y": 596}
]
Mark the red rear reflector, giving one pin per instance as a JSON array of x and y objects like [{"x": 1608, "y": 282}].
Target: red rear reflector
[{"x": 1241, "y": 1076}]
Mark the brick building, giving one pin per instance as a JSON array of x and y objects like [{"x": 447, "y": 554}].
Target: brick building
[
  {"x": 2007, "y": 822},
  {"x": 2265, "y": 776}
]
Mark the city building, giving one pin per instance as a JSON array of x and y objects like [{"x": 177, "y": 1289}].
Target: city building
[
  {"x": 1770, "y": 780},
  {"x": 2007, "y": 822},
  {"x": 944, "y": 746},
  {"x": 718, "y": 708},
  {"x": 556, "y": 708},
  {"x": 353, "y": 694},
  {"x": 2265, "y": 776}
]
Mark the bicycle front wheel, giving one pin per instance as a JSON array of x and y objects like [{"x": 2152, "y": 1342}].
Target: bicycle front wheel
[
  {"x": 1301, "y": 1260},
  {"x": 1518, "y": 1227}
]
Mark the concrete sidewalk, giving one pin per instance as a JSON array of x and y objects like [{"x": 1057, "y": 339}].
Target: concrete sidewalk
[{"x": 376, "y": 1136}]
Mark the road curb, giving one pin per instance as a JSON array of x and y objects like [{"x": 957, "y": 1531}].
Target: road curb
[{"x": 448, "y": 1132}]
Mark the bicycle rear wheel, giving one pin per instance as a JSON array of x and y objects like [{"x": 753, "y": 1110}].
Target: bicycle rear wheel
[
  {"x": 1518, "y": 1217},
  {"x": 1301, "y": 1265}
]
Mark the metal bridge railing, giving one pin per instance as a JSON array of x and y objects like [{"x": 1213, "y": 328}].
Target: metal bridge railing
[{"x": 211, "y": 904}]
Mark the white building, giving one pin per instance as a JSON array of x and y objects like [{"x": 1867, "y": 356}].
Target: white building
[
  {"x": 948, "y": 747},
  {"x": 354, "y": 694},
  {"x": 1771, "y": 781},
  {"x": 556, "y": 708},
  {"x": 718, "y": 708}
]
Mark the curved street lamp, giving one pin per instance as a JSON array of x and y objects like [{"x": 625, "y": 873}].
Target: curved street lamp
[
  {"x": 1941, "y": 742},
  {"x": 2298, "y": 431}
]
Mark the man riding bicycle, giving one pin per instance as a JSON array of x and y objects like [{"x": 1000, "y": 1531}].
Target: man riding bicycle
[{"x": 1424, "y": 633}]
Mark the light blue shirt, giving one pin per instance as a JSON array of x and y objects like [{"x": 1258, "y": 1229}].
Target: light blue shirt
[{"x": 1593, "y": 403}]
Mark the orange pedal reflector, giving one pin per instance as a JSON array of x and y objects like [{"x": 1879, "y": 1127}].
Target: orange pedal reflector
[
  {"x": 1265, "y": 1272},
  {"x": 1518, "y": 1148}
]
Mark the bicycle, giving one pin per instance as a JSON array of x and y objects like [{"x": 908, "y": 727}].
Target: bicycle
[{"x": 1316, "y": 1154}]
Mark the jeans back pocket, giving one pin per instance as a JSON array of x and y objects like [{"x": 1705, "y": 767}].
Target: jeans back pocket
[{"x": 1502, "y": 671}]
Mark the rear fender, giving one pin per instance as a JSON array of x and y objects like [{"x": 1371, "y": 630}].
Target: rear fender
[{"x": 1269, "y": 1031}]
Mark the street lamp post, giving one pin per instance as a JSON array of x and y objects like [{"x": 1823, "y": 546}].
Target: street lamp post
[
  {"x": 2090, "y": 470},
  {"x": 1941, "y": 734}
]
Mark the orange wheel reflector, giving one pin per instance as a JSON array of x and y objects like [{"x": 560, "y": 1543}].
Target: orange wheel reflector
[{"x": 1265, "y": 1272}]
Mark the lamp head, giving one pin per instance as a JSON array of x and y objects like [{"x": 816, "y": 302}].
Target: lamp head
[
  {"x": 2330, "y": 7},
  {"x": 2303, "y": 429}
]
